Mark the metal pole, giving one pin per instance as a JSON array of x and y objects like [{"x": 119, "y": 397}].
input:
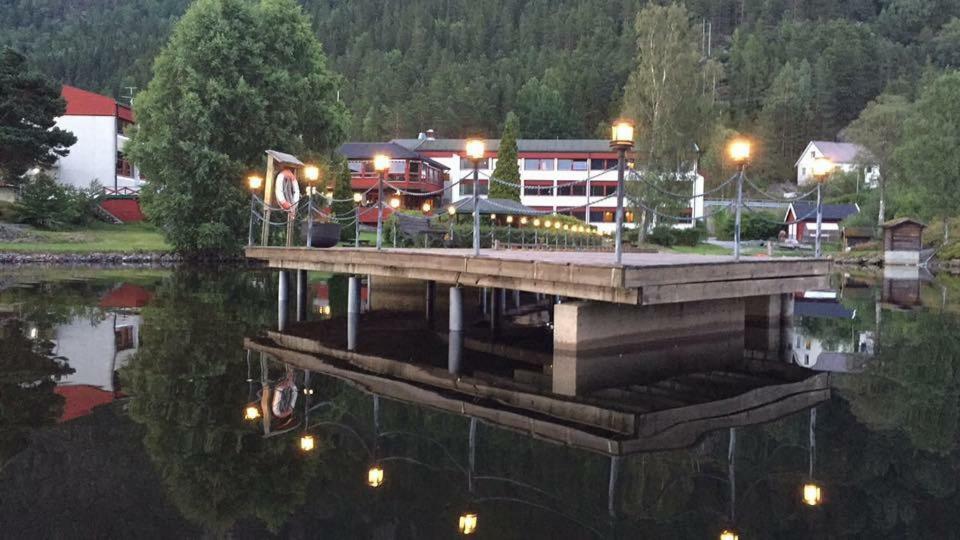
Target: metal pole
[
  {"x": 301, "y": 295},
  {"x": 455, "y": 351},
  {"x": 356, "y": 227},
  {"x": 618, "y": 247},
  {"x": 353, "y": 311},
  {"x": 310, "y": 218},
  {"x": 253, "y": 211},
  {"x": 380, "y": 212},
  {"x": 476, "y": 207},
  {"x": 282, "y": 299},
  {"x": 736, "y": 225},
  {"x": 819, "y": 219}
]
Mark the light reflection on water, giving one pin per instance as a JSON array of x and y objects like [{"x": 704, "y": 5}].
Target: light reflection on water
[{"x": 149, "y": 428}]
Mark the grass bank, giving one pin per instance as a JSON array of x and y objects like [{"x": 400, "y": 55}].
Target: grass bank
[{"x": 97, "y": 238}]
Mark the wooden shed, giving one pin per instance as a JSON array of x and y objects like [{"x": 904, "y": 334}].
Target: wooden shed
[
  {"x": 902, "y": 241},
  {"x": 854, "y": 236}
]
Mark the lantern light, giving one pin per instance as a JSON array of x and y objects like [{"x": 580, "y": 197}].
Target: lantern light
[
  {"x": 546, "y": 223},
  {"x": 358, "y": 198},
  {"x": 557, "y": 225},
  {"x": 509, "y": 219},
  {"x": 251, "y": 412},
  {"x": 475, "y": 149},
  {"x": 468, "y": 523},
  {"x": 739, "y": 151},
  {"x": 822, "y": 167},
  {"x": 451, "y": 209},
  {"x": 729, "y": 534},
  {"x": 493, "y": 217},
  {"x": 536, "y": 222},
  {"x": 621, "y": 135},
  {"x": 375, "y": 476},
  {"x": 812, "y": 494},
  {"x": 381, "y": 163},
  {"x": 330, "y": 194},
  {"x": 426, "y": 207},
  {"x": 311, "y": 173},
  {"x": 255, "y": 182},
  {"x": 307, "y": 443},
  {"x": 394, "y": 202},
  {"x": 523, "y": 220}
]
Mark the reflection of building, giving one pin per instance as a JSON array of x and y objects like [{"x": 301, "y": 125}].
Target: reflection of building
[
  {"x": 96, "y": 347},
  {"x": 845, "y": 353}
]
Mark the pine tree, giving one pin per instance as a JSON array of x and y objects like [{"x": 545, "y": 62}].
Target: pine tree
[{"x": 508, "y": 166}]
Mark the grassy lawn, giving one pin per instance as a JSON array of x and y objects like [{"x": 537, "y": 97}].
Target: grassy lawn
[
  {"x": 700, "y": 249},
  {"x": 98, "y": 237}
]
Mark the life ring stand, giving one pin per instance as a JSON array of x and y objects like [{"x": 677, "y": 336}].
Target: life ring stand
[{"x": 287, "y": 190}]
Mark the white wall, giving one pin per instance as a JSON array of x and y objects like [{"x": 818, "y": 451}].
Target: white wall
[
  {"x": 94, "y": 156},
  {"x": 869, "y": 174},
  {"x": 90, "y": 348}
]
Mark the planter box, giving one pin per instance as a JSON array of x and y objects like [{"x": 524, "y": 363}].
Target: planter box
[{"x": 323, "y": 235}]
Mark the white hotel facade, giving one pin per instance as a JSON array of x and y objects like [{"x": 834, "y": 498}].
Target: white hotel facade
[{"x": 575, "y": 177}]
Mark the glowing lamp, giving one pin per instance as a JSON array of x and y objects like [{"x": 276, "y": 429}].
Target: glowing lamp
[
  {"x": 311, "y": 173},
  {"x": 307, "y": 443},
  {"x": 812, "y": 494},
  {"x": 394, "y": 202},
  {"x": 468, "y": 523},
  {"x": 475, "y": 149},
  {"x": 251, "y": 412},
  {"x": 523, "y": 220},
  {"x": 426, "y": 207},
  {"x": 451, "y": 209},
  {"x": 546, "y": 223},
  {"x": 358, "y": 198},
  {"x": 255, "y": 182},
  {"x": 566, "y": 227},
  {"x": 493, "y": 217},
  {"x": 375, "y": 476},
  {"x": 621, "y": 135},
  {"x": 509, "y": 219},
  {"x": 822, "y": 167},
  {"x": 739, "y": 151},
  {"x": 330, "y": 194},
  {"x": 729, "y": 534},
  {"x": 381, "y": 163},
  {"x": 536, "y": 222},
  {"x": 557, "y": 225}
]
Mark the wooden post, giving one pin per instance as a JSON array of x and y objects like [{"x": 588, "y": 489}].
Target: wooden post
[{"x": 267, "y": 201}]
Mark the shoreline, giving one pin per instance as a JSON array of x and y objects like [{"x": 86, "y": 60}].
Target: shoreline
[{"x": 155, "y": 259}]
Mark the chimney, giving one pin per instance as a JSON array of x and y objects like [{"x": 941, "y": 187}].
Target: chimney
[{"x": 430, "y": 135}]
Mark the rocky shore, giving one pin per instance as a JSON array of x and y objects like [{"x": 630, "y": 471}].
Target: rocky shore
[{"x": 101, "y": 259}]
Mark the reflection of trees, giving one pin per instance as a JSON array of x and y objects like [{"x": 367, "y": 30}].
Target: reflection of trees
[
  {"x": 28, "y": 372},
  {"x": 189, "y": 383}
]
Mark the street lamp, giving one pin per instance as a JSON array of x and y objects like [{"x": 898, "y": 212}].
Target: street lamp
[
  {"x": 254, "y": 182},
  {"x": 381, "y": 164},
  {"x": 812, "y": 494},
  {"x": 475, "y": 151},
  {"x": 468, "y": 523},
  {"x": 426, "y": 207},
  {"x": 307, "y": 443},
  {"x": 822, "y": 169},
  {"x": 251, "y": 412},
  {"x": 311, "y": 173},
  {"x": 395, "y": 202},
  {"x": 358, "y": 198},
  {"x": 621, "y": 140},
  {"x": 729, "y": 534},
  {"x": 739, "y": 151},
  {"x": 375, "y": 476}
]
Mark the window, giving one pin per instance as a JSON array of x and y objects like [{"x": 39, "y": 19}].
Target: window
[
  {"x": 123, "y": 338},
  {"x": 571, "y": 164},
  {"x": 603, "y": 164},
  {"x": 414, "y": 168},
  {"x": 122, "y": 126},
  {"x": 356, "y": 167},
  {"x": 602, "y": 190},
  {"x": 568, "y": 189},
  {"x": 467, "y": 163},
  {"x": 542, "y": 188},
  {"x": 601, "y": 216},
  {"x": 398, "y": 166},
  {"x": 537, "y": 164},
  {"x": 124, "y": 168}
]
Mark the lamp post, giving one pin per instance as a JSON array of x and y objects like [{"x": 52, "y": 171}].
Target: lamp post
[
  {"x": 254, "y": 182},
  {"x": 452, "y": 211},
  {"x": 621, "y": 140},
  {"x": 475, "y": 150},
  {"x": 311, "y": 173},
  {"x": 822, "y": 168},
  {"x": 358, "y": 200},
  {"x": 740, "y": 154},
  {"x": 381, "y": 164}
]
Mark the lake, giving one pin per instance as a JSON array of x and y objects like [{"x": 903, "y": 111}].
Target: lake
[{"x": 166, "y": 404}]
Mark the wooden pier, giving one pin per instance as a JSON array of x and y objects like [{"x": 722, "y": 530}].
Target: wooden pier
[{"x": 642, "y": 279}]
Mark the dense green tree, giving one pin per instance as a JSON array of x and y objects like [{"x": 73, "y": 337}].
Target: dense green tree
[
  {"x": 946, "y": 45},
  {"x": 508, "y": 165},
  {"x": 786, "y": 121},
  {"x": 543, "y": 111},
  {"x": 343, "y": 206},
  {"x": 29, "y": 107},
  {"x": 235, "y": 79}
]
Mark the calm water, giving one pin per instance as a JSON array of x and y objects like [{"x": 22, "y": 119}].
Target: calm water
[{"x": 123, "y": 393}]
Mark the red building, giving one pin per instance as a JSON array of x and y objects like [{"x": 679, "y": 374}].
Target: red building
[{"x": 409, "y": 172}]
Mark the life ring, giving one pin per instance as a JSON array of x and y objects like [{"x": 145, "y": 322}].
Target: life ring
[{"x": 287, "y": 190}]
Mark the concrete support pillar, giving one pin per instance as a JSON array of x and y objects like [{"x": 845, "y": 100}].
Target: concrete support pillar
[
  {"x": 600, "y": 345},
  {"x": 301, "y": 295},
  {"x": 455, "y": 353},
  {"x": 516, "y": 299},
  {"x": 762, "y": 326},
  {"x": 353, "y": 312},
  {"x": 283, "y": 296},
  {"x": 431, "y": 302},
  {"x": 483, "y": 300},
  {"x": 496, "y": 310}
]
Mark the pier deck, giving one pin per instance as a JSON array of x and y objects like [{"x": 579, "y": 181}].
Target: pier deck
[{"x": 643, "y": 279}]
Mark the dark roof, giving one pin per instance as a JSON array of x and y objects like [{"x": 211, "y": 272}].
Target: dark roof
[
  {"x": 827, "y": 310},
  {"x": 365, "y": 150},
  {"x": 901, "y": 221},
  {"x": 495, "y": 206},
  {"x": 807, "y": 211},
  {"x": 523, "y": 145}
]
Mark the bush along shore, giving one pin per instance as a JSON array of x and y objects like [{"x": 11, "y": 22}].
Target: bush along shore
[{"x": 145, "y": 259}]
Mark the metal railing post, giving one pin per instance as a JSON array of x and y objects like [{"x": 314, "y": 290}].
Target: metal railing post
[
  {"x": 817, "y": 251},
  {"x": 736, "y": 225},
  {"x": 618, "y": 247},
  {"x": 380, "y": 212}
]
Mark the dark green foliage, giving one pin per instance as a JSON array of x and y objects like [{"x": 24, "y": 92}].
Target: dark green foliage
[
  {"x": 754, "y": 225},
  {"x": 29, "y": 104},
  {"x": 344, "y": 208},
  {"x": 508, "y": 168},
  {"x": 543, "y": 110},
  {"x": 236, "y": 79},
  {"x": 665, "y": 235},
  {"x": 47, "y": 204}
]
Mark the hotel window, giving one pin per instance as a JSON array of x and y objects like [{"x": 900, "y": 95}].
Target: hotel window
[
  {"x": 602, "y": 190},
  {"x": 466, "y": 187},
  {"x": 571, "y": 164},
  {"x": 601, "y": 216},
  {"x": 603, "y": 164},
  {"x": 467, "y": 163},
  {"x": 537, "y": 164},
  {"x": 567, "y": 189},
  {"x": 124, "y": 168},
  {"x": 543, "y": 188}
]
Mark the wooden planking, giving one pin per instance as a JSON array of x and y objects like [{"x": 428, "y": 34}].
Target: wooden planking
[
  {"x": 723, "y": 271},
  {"x": 716, "y": 290}
]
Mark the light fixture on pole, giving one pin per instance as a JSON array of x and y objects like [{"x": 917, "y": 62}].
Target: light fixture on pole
[
  {"x": 307, "y": 443},
  {"x": 468, "y": 523},
  {"x": 311, "y": 173},
  {"x": 395, "y": 202},
  {"x": 251, "y": 412},
  {"x": 476, "y": 149},
  {"x": 358, "y": 198},
  {"x": 381, "y": 164},
  {"x": 729, "y": 534},
  {"x": 426, "y": 207},
  {"x": 822, "y": 169},
  {"x": 621, "y": 140},
  {"x": 254, "y": 182},
  {"x": 739, "y": 151},
  {"x": 375, "y": 476}
]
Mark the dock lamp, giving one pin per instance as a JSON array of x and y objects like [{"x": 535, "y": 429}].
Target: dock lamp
[
  {"x": 255, "y": 183},
  {"x": 251, "y": 412},
  {"x": 358, "y": 198},
  {"x": 822, "y": 169},
  {"x": 812, "y": 494},
  {"x": 476, "y": 149},
  {"x": 307, "y": 443},
  {"x": 381, "y": 164},
  {"x": 739, "y": 151},
  {"x": 729, "y": 534},
  {"x": 311, "y": 173},
  {"x": 375, "y": 476},
  {"x": 426, "y": 207},
  {"x": 468, "y": 523},
  {"x": 621, "y": 140}
]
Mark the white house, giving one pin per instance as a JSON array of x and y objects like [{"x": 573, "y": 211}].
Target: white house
[
  {"x": 847, "y": 157},
  {"x": 99, "y": 123},
  {"x": 577, "y": 177}
]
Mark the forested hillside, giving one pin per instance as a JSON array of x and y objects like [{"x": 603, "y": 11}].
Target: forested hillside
[{"x": 792, "y": 70}]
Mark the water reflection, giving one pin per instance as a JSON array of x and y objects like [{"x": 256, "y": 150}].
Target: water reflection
[{"x": 402, "y": 449}]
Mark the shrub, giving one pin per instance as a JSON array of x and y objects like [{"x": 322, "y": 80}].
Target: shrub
[
  {"x": 754, "y": 225},
  {"x": 664, "y": 235},
  {"x": 46, "y": 204}
]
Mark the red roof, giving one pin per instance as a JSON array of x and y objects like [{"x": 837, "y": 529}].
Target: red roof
[
  {"x": 84, "y": 103},
  {"x": 81, "y": 399},
  {"x": 126, "y": 296}
]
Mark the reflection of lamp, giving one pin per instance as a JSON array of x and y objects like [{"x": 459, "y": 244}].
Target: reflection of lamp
[
  {"x": 251, "y": 412},
  {"x": 307, "y": 443},
  {"x": 729, "y": 534},
  {"x": 375, "y": 476},
  {"x": 812, "y": 494},
  {"x": 468, "y": 523}
]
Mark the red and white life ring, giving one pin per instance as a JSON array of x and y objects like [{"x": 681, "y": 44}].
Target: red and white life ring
[{"x": 287, "y": 190}]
